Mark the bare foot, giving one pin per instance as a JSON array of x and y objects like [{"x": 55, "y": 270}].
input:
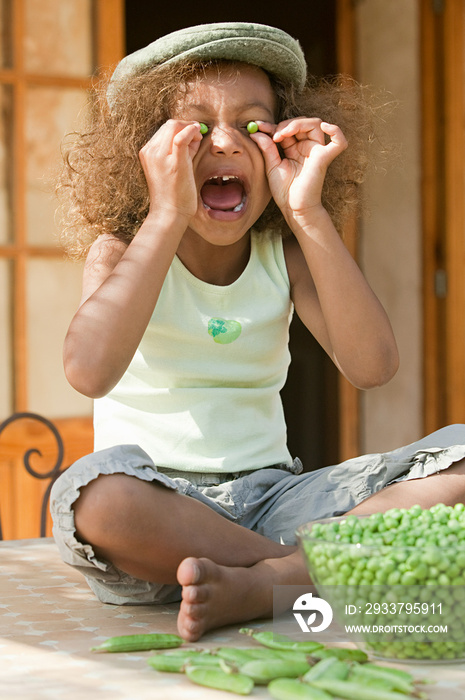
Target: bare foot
[{"x": 215, "y": 595}]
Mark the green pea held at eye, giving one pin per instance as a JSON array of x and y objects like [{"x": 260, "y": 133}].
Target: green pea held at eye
[
  {"x": 203, "y": 129},
  {"x": 252, "y": 127}
]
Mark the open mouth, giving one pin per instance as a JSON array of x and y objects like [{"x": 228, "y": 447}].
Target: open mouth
[{"x": 224, "y": 193}]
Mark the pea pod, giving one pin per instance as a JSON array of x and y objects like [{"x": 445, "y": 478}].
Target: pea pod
[
  {"x": 219, "y": 679},
  {"x": 288, "y": 655},
  {"x": 241, "y": 655},
  {"x": 234, "y": 655},
  {"x": 139, "y": 642},
  {"x": 377, "y": 673},
  {"x": 327, "y": 668},
  {"x": 176, "y": 663},
  {"x": 378, "y": 684},
  {"x": 186, "y": 650},
  {"x": 292, "y": 689},
  {"x": 341, "y": 653},
  {"x": 262, "y": 672},
  {"x": 280, "y": 641},
  {"x": 352, "y": 690},
  {"x": 399, "y": 673}
]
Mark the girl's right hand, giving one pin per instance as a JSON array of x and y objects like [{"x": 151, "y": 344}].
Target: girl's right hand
[{"x": 166, "y": 160}]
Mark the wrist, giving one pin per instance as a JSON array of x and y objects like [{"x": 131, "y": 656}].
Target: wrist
[
  {"x": 312, "y": 218},
  {"x": 169, "y": 221}
]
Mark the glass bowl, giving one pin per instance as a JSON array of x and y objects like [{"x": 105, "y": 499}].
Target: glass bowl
[{"x": 398, "y": 601}]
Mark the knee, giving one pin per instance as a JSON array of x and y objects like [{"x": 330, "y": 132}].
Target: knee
[{"x": 102, "y": 504}]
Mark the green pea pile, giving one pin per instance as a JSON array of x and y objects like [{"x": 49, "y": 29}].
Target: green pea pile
[{"x": 404, "y": 567}]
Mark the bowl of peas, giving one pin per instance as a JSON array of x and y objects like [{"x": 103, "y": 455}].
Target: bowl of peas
[{"x": 395, "y": 580}]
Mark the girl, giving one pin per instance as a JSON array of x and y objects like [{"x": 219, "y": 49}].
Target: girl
[{"x": 203, "y": 195}]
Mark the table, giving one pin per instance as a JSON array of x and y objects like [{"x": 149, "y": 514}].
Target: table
[{"x": 49, "y": 619}]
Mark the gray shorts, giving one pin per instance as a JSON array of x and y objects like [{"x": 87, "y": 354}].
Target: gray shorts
[{"x": 272, "y": 501}]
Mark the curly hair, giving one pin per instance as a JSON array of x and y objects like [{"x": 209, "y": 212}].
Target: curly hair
[{"x": 102, "y": 187}]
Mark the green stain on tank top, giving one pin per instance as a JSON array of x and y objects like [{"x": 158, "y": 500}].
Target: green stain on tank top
[{"x": 224, "y": 331}]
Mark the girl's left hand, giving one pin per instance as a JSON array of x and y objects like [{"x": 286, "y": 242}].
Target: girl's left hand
[{"x": 297, "y": 179}]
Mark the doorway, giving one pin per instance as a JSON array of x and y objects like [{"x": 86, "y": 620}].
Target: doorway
[{"x": 310, "y": 396}]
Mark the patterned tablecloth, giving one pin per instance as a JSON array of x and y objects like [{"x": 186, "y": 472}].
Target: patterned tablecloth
[{"x": 49, "y": 619}]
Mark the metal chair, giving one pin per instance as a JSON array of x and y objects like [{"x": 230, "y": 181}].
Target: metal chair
[{"x": 52, "y": 474}]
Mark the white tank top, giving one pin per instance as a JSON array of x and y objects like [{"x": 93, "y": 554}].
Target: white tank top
[{"x": 202, "y": 391}]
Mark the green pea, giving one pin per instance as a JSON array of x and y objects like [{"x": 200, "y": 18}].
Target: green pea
[
  {"x": 219, "y": 679},
  {"x": 291, "y": 689},
  {"x": 408, "y": 579},
  {"x": 460, "y": 560},
  {"x": 389, "y": 537},
  {"x": 139, "y": 642},
  {"x": 262, "y": 672},
  {"x": 203, "y": 129},
  {"x": 421, "y": 572},
  {"x": 393, "y": 514},
  {"x": 393, "y": 578},
  {"x": 252, "y": 127}
]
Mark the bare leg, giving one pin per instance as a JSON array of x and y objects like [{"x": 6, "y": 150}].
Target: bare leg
[
  {"x": 156, "y": 534},
  {"x": 446, "y": 487},
  {"x": 146, "y": 529},
  {"x": 204, "y": 581},
  {"x": 227, "y": 572}
]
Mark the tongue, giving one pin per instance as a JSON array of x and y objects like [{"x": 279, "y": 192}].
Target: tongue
[{"x": 223, "y": 197}]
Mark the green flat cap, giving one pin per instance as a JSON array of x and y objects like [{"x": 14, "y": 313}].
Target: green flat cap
[{"x": 258, "y": 44}]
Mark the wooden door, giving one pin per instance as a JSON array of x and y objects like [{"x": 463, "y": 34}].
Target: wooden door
[
  {"x": 443, "y": 196},
  {"x": 49, "y": 52}
]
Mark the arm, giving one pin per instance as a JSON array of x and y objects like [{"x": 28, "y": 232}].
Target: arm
[
  {"x": 330, "y": 294},
  {"x": 121, "y": 283}
]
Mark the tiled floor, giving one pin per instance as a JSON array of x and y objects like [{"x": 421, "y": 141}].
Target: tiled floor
[{"x": 49, "y": 619}]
